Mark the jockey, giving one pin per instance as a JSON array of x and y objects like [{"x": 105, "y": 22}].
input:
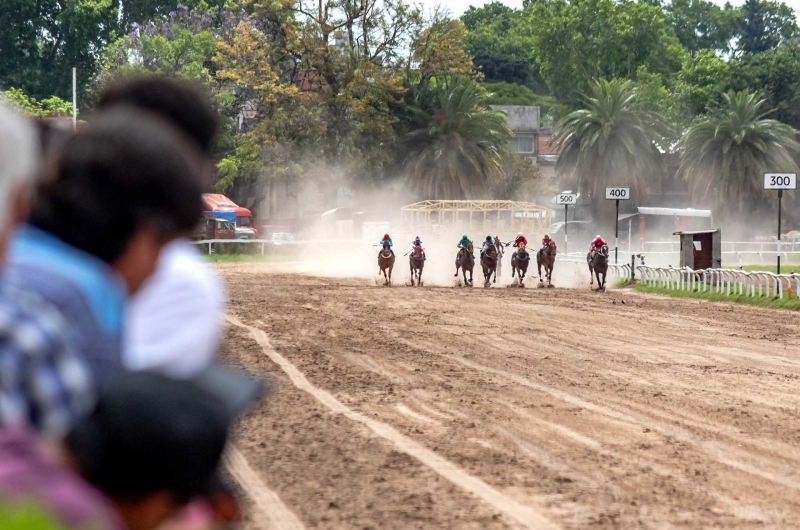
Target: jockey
[
  {"x": 386, "y": 241},
  {"x": 545, "y": 241},
  {"x": 597, "y": 242},
  {"x": 520, "y": 239},
  {"x": 465, "y": 242},
  {"x": 488, "y": 242},
  {"x": 417, "y": 243},
  {"x": 499, "y": 244}
]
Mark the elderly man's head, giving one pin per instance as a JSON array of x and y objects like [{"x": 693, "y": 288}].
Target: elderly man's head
[{"x": 19, "y": 159}]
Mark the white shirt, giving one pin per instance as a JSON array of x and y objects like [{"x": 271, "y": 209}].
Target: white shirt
[{"x": 173, "y": 324}]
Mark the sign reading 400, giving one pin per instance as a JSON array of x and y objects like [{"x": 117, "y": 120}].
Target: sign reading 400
[
  {"x": 780, "y": 181},
  {"x": 618, "y": 194}
]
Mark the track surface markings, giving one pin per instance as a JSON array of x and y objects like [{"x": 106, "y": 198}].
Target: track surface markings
[
  {"x": 274, "y": 514},
  {"x": 515, "y": 512}
]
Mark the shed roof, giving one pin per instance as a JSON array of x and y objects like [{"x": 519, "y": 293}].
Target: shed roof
[
  {"x": 679, "y": 212},
  {"x": 695, "y": 232}
]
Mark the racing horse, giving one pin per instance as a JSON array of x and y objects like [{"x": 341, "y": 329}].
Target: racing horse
[
  {"x": 519, "y": 263},
  {"x": 547, "y": 257},
  {"x": 599, "y": 265},
  {"x": 416, "y": 263},
  {"x": 489, "y": 264},
  {"x": 465, "y": 260},
  {"x": 386, "y": 263}
]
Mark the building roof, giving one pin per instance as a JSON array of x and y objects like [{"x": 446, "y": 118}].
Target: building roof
[
  {"x": 678, "y": 212},
  {"x": 473, "y": 205},
  {"x": 695, "y": 232}
]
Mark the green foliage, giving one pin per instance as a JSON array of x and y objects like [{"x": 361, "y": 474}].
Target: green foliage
[
  {"x": 26, "y": 517},
  {"x": 503, "y": 93},
  {"x": 702, "y": 25},
  {"x": 41, "y": 41},
  {"x": 52, "y": 107},
  {"x": 725, "y": 154},
  {"x": 776, "y": 75},
  {"x": 772, "y": 302},
  {"x": 765, "y": 24},
  {"x": 581, "y": 40},
  {"x": 609, "y": 142},
  {"x": 456, "y": 145}
]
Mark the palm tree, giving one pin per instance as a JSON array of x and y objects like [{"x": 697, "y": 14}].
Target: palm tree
[
  {"x": 725, "y": 154},
  {"x": 610, "y": 143},
  {"x": 457, "y": 145}
]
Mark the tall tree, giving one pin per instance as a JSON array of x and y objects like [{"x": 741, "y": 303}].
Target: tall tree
[
  {"x": 610, "y": 143},
  {"x": 456, "y": 144},
  {"x": 579, "y": 40},
  {"x": 724, "y": 156},
  {"x": 41, "y": 41},
  {"x": 700, "y": 24},
  {"x": 764, "y": 25},
  {"x": 776, "y": 75}
]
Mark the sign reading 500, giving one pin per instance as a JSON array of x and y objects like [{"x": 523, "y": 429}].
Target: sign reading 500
[{"x": 618, "y": 194}]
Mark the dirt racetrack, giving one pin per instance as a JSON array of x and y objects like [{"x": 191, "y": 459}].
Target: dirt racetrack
[{"x": 441, "y": 407}]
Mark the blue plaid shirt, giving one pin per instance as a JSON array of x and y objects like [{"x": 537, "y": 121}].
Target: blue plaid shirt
[
  {"x": 43, "y": 382},
  {"x": 89, "y": 295}
]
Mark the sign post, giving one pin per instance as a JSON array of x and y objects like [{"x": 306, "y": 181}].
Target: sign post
[
  {"x": 566, "y": 199},
  {"x": 617, "y": 194},
  {"x": 780, "y": 182}
]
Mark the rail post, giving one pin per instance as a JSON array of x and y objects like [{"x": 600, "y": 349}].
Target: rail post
[{"x": 633, "y": 267}]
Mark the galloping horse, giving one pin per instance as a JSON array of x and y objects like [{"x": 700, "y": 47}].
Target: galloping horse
[
  {"x": 489, "y": 265},
  {"x": 519, "y": 263},
  {"x": 465, "y": 259},
  {"x": 547, "y": 257},
  {"x": 386, "y": 262},
  {"x": 416, "y": 263},
  {"x": 599, "y": 265}
]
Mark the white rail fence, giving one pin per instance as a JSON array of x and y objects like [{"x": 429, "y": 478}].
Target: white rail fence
[
  {"x": 721, "y": 281},
  {"x": 269, "y": 243}
]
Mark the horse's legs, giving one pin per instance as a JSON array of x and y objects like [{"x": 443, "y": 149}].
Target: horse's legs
[
  {"x": 591, "y": 276},
  {"x": 456, "y": 274},
  {"x": 411, "y": 268},
  {"x": 419, "y": 277},
  {"x": 390, "y": 273}
]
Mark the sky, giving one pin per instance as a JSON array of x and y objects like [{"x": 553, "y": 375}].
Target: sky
[{"x": 459, "y": 6}]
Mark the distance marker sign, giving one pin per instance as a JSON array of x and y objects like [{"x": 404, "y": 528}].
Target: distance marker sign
[
  {"x": 567, "y": 198},
  {"x": 780, "y": 181},
  {"x": 619, "y": 194}
]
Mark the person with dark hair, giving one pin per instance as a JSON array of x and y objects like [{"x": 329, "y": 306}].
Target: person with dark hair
[
  {"x": 179, "y": 102},
  {"x": 118, "y": 191},
  {"x": 180, "y": 308},
  {"x": 44, "y": 382},
  {"x": 150, "y": 446}
]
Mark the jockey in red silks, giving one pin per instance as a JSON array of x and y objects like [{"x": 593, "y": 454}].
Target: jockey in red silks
[
  {"x": 596, "y": 244},
  {"x": 417, "y": 243},
  {"x": 520, "y": 239}
]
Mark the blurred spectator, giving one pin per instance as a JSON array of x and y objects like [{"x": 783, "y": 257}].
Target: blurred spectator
[
  {"x": 119, "y": 190},
  {"x": 150, "y": 446},
  {"x": 42, "y": 381},
  {"x": 179, "y": 309}
]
